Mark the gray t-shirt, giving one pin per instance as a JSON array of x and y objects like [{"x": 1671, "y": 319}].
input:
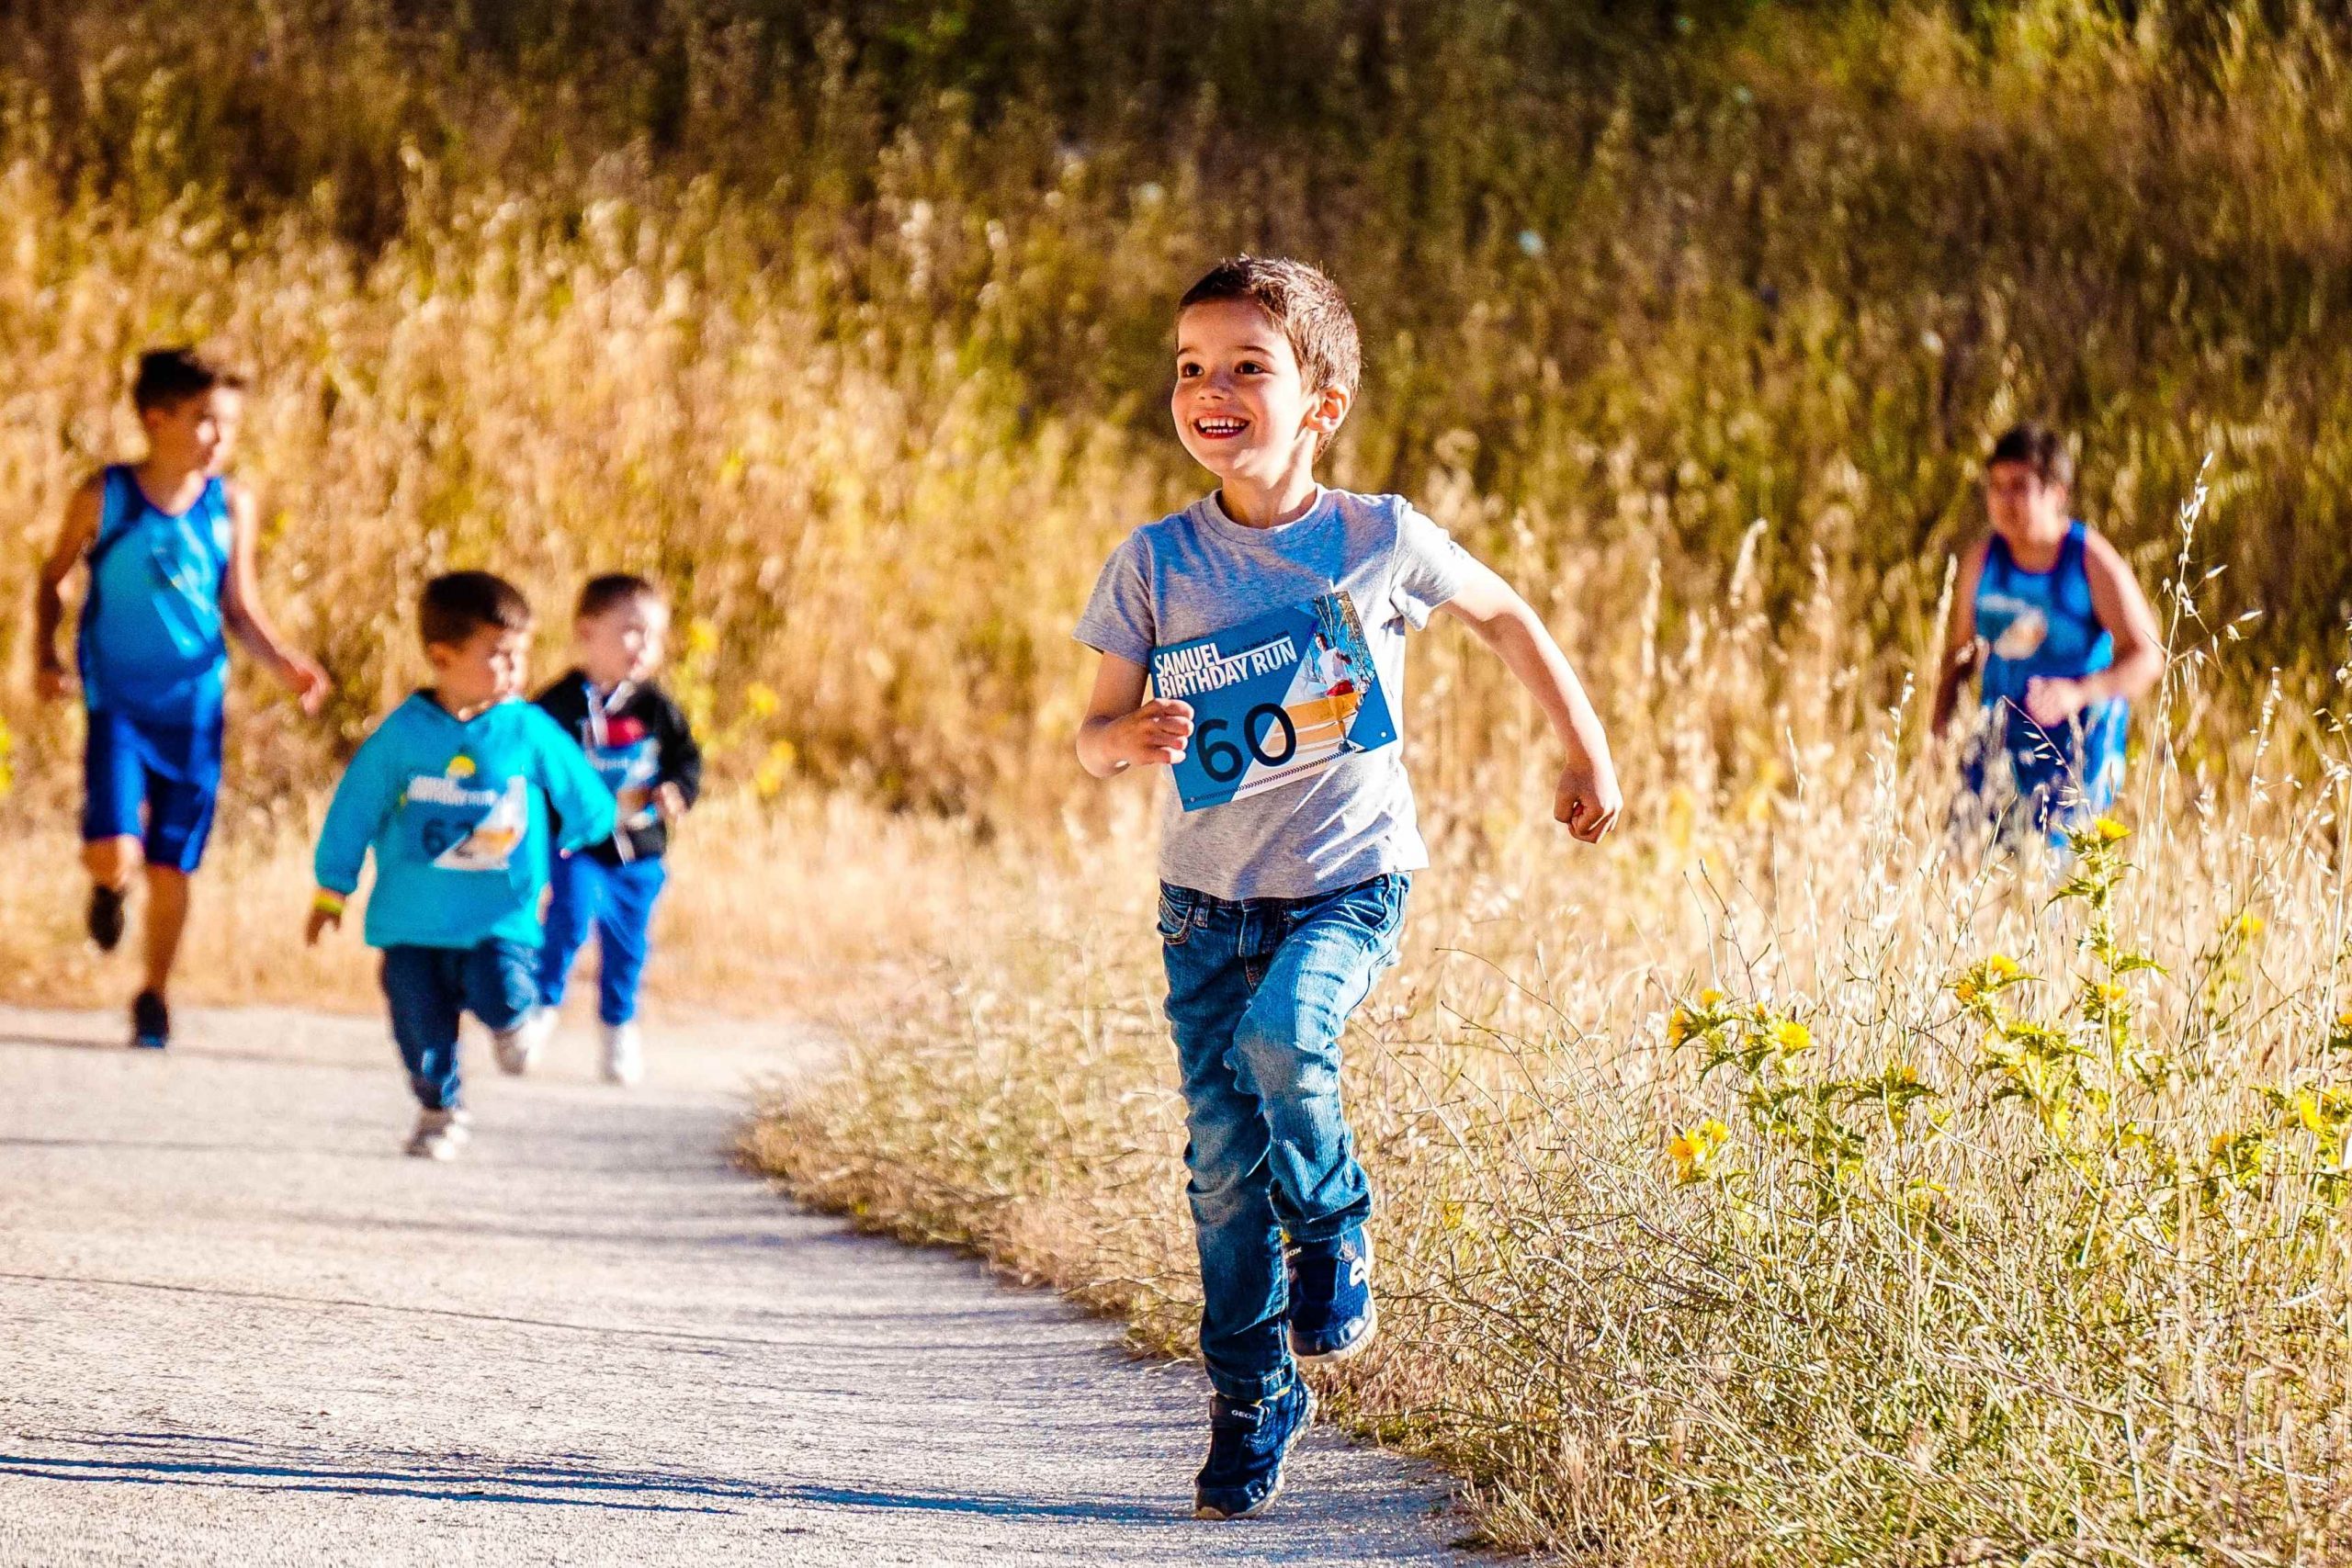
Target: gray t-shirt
[{"x": 1198, "y": 572}]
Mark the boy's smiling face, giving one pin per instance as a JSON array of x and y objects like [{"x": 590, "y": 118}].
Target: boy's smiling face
[{"x": 1242, "y": 409}]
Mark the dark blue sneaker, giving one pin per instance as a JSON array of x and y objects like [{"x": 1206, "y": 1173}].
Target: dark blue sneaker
[
  {"x": 150, "y": 1022},
  {"x": 1247, "y": 1446},
  {"x": 104, "y": 918},
  {"x": 1332, "y": 1315}
]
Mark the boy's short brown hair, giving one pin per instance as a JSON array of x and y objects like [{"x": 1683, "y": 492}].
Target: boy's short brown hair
[
  {"x": 459, "y": 604},
  {"x": 610, "y": 590},
  {"x": 2040, "y": 448},
  {"x": 169, "y": 376},
  {"x": 1306, "y": 305}
]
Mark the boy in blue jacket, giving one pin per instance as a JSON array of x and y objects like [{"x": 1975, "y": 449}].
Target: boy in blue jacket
[{"x": 452, "y": 793}]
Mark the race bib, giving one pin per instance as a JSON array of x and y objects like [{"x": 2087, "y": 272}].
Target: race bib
[
  {"x": 1276, "y": 700},
  {"x": 464, "y": 826}
]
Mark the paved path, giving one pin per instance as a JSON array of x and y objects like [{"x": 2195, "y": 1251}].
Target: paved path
[{"x": 236, "y": 1327}]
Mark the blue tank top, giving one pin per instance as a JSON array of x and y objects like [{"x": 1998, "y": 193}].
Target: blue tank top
[
  {"x": 151, "y": 644},
  {"x": 2037, "y": 625}
]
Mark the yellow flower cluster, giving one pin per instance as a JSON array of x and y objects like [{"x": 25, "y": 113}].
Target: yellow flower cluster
[{"x": 1694, "y": 1148}]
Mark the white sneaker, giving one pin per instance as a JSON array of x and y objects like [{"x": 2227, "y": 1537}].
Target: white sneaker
[
  {"x": 624, "y": 1054},
  {"x": 440, "y": 1134},
  {"x": 518, "y": 1047}
]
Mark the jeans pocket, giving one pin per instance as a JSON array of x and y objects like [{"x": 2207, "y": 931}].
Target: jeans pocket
[{"x": 1175, "y": 915}]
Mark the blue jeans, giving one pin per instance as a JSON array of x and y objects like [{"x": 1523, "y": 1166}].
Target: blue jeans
[
  {"x": 617, "y": 902},
  {"x": 429, "y": 987},
  {"x": 1258, "y": 992}
]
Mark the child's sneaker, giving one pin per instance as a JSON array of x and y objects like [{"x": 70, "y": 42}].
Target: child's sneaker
[
  {"x": 440, "y": 1134},
  {"x": 624, "y": 1054},
  {"x": 151, "y": 1022},
  {"x": 1332, "y": 1314},
  {"x": 518, "y": 1047},
  {"x": 104, "y": 918},
  {"x": 1247, "y": 1446}
]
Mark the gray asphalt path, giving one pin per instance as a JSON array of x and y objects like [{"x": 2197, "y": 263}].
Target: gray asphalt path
[{"x": 237, "y": 1327}]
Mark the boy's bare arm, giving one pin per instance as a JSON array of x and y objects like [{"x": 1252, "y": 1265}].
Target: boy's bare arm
[
  {"x": 2129, "y": 618},
  {"x": 1588, "y": 799},
  {"x": 1962, "y": 653},
  {"x": 2139, "y": 661},
  {"x": 1121, "y": 731},
  {"x": 241, "y": 608},
  {"x": 74, "y": 535}
]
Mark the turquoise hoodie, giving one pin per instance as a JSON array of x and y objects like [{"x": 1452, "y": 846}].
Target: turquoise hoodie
[{"x": 457, "y": 812}]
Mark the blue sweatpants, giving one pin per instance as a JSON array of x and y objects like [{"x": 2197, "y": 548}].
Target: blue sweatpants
[
  {"x": 617, "y": 902},
  {"x": 429, "y": 987}
]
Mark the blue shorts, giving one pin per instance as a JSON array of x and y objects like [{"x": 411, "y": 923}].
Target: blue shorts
[{"x": 156, "y": 783}]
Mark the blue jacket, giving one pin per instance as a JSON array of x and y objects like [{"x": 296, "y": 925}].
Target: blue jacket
[{"x": 457, "y": 812}]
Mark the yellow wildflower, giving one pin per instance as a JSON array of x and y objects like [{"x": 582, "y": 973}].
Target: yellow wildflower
[
  {"x": 1678, "y": 1028},
  {"x": 2306, "y": 1108},
  {"x": 1694, "y": 1149},
  {"x": 1965, "y": 989},
  {"x": 1713, "y": 998},
  {"x": 2001, "y": 966},
  {"x": 2109, "y": 830},
  {"x": 2248, "y": 926},
  {"x": 1790, "y": 1036},
  {"x": 2112, "y": 994}
]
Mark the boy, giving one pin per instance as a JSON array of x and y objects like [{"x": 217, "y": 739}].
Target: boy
[
  {"x": 1278, "y": 908},
  {"x": 452, "y": 792},
  {"x": 2049, "y": 615},
  {"x": 169, "y": 543},
  {"x": 639, "y": 742}
]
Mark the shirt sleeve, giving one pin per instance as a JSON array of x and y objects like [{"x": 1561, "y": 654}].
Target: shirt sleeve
[
  {"x": 363, "y": 799},
  {"x": 579, "y": 799},
  {"x": 1430, "y": 568},
  {"x": 681, "y": 752},
  {"x": 1118, "y": 618}
]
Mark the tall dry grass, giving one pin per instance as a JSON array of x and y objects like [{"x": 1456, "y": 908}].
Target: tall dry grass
[
  {"x": 849, "y": 321},
  {"x": 1782, "y": 1183}
]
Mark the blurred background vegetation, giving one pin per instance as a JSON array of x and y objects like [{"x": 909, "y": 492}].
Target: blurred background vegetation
[{"x": 850, "y": 318}]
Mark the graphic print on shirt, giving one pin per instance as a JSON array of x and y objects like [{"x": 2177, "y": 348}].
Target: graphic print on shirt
[
  {"x": 1276, "y": 700},
  {"x": 464, "y": 826},
  {"x": 626, "y": 755},
  {"x": 2015, "y": 628}
]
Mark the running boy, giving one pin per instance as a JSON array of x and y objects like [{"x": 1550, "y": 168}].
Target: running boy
[
  {"x": 1278, "y": 908},
  {"x": 2051, "y": 618},
  {"x": 169, "y": 543},
  {"x": 642, "y": 746},
  {"x": 452, "y": 793}
]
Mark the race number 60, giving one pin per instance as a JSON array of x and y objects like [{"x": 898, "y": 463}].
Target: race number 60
[{"x": 1222, "y": 760}]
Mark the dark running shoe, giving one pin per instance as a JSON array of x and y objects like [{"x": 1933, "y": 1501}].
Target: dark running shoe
[
  {"x": 1247, "y": 1446},
  {"x": 150, "y": 1022},
  {"x": 106, "y": 917},
  {"x": 1332, "y": 1315}
]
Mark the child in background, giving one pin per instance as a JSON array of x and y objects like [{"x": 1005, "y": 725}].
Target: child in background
[
  {"x": 452, "y": 793},
  {"x": 640, "y": 743},
  {"x": 2052, "y": 621},
  {"x": 1278, "y": 909},
  {"x": 169, "y": 543}
]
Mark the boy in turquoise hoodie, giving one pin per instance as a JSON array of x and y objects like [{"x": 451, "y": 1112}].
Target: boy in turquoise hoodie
[{"x": 452, "y": 794}]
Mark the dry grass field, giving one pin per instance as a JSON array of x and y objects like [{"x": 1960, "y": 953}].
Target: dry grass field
[{"x": 1777, "y": 1183}]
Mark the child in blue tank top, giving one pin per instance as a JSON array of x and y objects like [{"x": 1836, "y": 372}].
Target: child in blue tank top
[
  {"x": 2053, "y": 625},
  {"x": 169, "y": 544}
]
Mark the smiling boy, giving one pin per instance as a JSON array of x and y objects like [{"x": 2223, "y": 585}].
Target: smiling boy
[
  {"x": 1279, "y": 909},
  {"x": 169, "y": 544}
]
